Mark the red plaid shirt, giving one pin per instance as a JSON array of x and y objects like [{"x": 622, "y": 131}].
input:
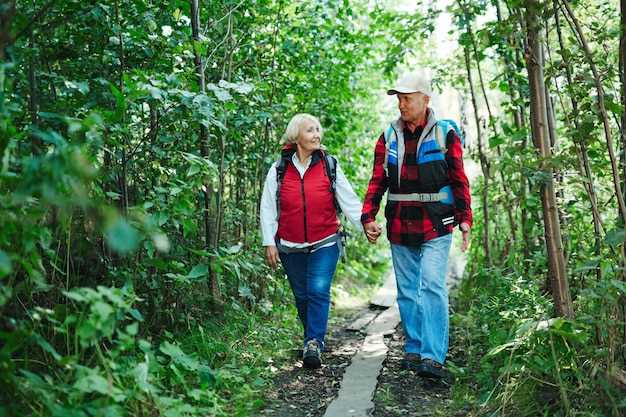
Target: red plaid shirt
[{"x": 407, "y": 221}]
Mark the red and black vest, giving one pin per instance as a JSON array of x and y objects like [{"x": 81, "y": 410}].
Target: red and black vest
[{"x": 307, "y": 211}]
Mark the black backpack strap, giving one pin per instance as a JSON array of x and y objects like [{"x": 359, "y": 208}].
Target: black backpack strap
[
  {"x": 331, "y": 172},
  {"x": 281, "y": 168}
]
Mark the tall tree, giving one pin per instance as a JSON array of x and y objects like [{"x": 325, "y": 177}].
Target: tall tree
[
  {"x": 539, "y": 125},
  {"x": 204, "y": 144}
]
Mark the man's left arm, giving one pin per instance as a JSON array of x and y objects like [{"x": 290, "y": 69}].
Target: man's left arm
[{"x": 458, "y": 180}]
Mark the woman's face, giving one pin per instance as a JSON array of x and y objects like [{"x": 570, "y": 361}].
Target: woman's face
[{"x": 310, "y": 137}]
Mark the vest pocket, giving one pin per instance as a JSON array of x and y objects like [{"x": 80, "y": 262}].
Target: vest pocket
[{"x": 441, "y": 215}]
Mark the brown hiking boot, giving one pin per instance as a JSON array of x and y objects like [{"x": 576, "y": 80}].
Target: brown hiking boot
[{"x": 411, "y": 361}]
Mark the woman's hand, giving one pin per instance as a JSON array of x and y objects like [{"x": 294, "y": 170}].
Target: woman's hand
[
  {"x": 271, "y": 256},
  {"x": 372, "y": 231}
]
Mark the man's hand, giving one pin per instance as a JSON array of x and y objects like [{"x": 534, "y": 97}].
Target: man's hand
[
  {"x": 271, "y": 256},
  {"x": 372, "y": 231},
  {"x": 465, "y": 230}
]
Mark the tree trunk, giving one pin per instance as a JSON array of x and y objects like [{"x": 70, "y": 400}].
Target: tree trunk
[
  {"x": 622, "y": 74},
  {"x": 484, "y": 163},
  {"x": 122, "y": 178},
  {"x": 579, "y": 143},
  {"x": 6, "y": 15},
  {"x": 204, "y": 148},
  {"x": 538, "y": 107},
  {"x": 226, "y": 75},
  {"x": 508, "y": 202},
  {"x": 605, "y": 119}
]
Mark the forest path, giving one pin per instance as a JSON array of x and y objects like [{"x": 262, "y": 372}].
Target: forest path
[{"x": 361, "y": 374}]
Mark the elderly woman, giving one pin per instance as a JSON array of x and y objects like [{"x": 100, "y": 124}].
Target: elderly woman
[{"x": 303, "y": 192}]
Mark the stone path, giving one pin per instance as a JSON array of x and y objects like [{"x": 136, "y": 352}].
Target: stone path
[{"x": 360, "y": 379}]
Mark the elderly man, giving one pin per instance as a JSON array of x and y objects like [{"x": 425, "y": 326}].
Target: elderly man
[{"x": 418, "y": 160}]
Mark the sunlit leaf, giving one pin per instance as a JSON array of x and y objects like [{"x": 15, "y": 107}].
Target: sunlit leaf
[{"x": 122, "y": 237}]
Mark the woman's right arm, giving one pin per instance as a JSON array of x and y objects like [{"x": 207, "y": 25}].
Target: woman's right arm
[{"x": 269, "y": 216}]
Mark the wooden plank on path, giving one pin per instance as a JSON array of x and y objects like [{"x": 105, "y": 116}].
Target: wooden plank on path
[
  {"x": 386, "y": 295},
  {"x": 360, "y": 379},
  {"x": 363, "y": 320}
]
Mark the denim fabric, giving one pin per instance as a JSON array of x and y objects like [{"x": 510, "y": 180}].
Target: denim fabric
[
  {"x": 310, "y": 276},
  {"x": 423, "y": 296}
]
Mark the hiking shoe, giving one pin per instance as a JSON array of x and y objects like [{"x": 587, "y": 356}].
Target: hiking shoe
[
  {"x": 429, "y": 368},
  {"x": 411, "y": 361},
  {"x": 311, "y": 355}
]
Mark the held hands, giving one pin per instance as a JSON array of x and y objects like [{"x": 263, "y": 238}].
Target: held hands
[
  {"x": 372, "y": 231},
  {"x": 271, "y": 256},
  {"x": 465, "y": 231}
]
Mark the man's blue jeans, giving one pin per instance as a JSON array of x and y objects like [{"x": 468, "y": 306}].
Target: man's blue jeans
[
  {"x": 310, "y": 276},
  {"x": 423, "y": 296}
]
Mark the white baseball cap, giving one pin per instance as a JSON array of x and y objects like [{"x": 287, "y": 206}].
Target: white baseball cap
[{"x": 412, "y": 82}]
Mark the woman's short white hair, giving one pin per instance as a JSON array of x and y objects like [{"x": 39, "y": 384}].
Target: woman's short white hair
[{"x": 295, "y": 124}]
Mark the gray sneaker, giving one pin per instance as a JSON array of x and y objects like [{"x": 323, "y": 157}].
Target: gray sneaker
[{"x": 311, "y": 355}]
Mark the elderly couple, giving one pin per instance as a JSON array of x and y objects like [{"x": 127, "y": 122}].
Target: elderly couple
[{"x": 418, "y": 162}]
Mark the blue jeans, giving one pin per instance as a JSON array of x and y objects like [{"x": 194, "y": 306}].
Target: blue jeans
[
  {"x": 423, "y": 296},
  {"x": 310, "y": 276}
]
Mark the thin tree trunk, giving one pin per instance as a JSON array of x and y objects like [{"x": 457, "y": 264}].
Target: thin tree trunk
[
  {"x": 484, "y": 163},
  {"x": 508, "y": 202},
  {"x": 226, "y": 74},
  {"x": 6, "y": 15},
  {"x": 605, "y": 119},
  {"x": 266, "y": 130},
  {"x": 581, "y": 150},
  {"x": 622, "y": 55},
  {"x": 512, "y": 63},
  {"x": 204, "y": 148},
  {"x": 538, "y": 107},
  {"x": 622, "y": 77},
  {"x": 123, "y": 180}
]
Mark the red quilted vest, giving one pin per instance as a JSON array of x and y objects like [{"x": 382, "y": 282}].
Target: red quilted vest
[{"x": 307, "y": 208}]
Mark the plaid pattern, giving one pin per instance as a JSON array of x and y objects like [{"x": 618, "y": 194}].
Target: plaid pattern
[{"x": 407, "y": 221}]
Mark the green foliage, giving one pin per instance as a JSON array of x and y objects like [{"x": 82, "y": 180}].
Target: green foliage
[{"x": 131, "y": 278}]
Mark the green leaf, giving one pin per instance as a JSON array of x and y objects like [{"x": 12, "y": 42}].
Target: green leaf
[
  {"x": 234, "y": 249},
  {"x": 246, "y": 292},
  {"x": 178, "y": 356},
  {"x": 47, "y": 347},
  {"x": 615, "y": 237},
  {"x": 5, "y": 264},
  {"x": 92, "y": 383},
  {"x": 132, "y": 329},
  {"x": 241, "y": 88},
  {"x": 220, "y": 93},
  {"x": 499, "y": 349},
  {"x": 495, "y": 141},
  {"x": 193, "y": 170},
  {"x": 136, "y": 314},
  {"x": 104, "y": 310},
  {"x": 207, "y": 377},
  {"x": 122, "y": 237},
  {"x": 198, "y": 271}
]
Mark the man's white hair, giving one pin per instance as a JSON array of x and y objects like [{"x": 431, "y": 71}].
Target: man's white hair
[{"x": 295, "y": 124}]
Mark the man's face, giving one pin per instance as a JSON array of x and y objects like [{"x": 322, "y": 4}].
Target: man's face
[{"x": 412, "y": 106}]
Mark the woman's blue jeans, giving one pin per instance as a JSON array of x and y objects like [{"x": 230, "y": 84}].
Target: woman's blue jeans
[
  {"x": 310, "y": 276},
  {"x": 423, "y": 296}
]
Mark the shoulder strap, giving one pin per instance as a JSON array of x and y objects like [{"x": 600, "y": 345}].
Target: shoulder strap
[
  {"x": 330, "y": 162},
  {"x": 281, "y": 168},
  {"x": 444, "y": 127}
]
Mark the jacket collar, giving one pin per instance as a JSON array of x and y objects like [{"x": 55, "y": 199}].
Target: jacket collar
[{"x": 290, "y": 148}]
